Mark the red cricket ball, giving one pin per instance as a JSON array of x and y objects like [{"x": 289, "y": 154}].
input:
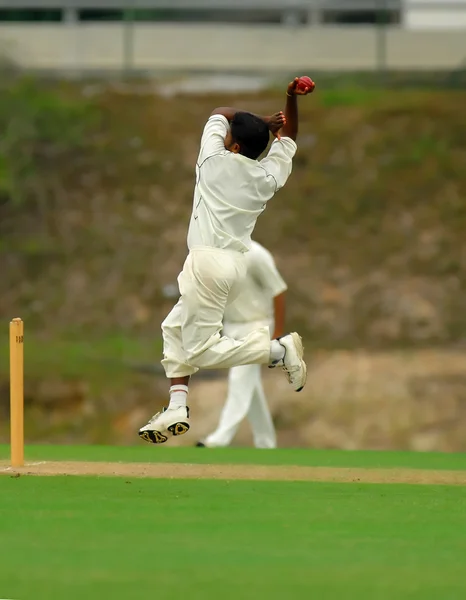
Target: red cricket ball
[{"x": 306, "y": 82}]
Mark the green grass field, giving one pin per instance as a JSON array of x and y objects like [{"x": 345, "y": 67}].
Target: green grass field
[{"x": 95, "y": 537}]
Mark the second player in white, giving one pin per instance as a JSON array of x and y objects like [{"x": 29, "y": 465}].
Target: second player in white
[{"x": 260, "y": 304}]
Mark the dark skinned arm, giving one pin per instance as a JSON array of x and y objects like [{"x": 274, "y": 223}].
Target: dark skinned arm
[
  {"x": 290, "y": 127},
  {"x": 274, "y": 122},
  {"x": 226, "y": 111}
]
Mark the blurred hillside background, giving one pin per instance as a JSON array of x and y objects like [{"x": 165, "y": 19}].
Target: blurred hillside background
[{"x": 101, "y": 111}]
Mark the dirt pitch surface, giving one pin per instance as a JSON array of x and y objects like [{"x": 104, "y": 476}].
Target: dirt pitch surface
[{"x": 238, "y": 472}]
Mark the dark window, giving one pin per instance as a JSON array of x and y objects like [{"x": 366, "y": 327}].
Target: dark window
[
  {"x": 100, "y": 15},
  {"x": 186, "y": 16},
  {"x": 361, "y": 17},
  {"x": 31, "y": 15}
]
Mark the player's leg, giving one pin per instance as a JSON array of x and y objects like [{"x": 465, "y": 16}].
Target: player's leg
[
  {"x": 241, "y": 384},
  {"x": 259, "y": 417},
  {"x": 175, "y": 418},
  {"x": 193, "y": 326},
  {"x": 209, "y": 279},
  {"x": 193, "y": 340}
]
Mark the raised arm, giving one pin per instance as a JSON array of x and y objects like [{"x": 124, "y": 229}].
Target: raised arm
[
  {"x": 290, "y": 127},
  {"x": 274, "y": 122},
  {"x": 226, "y": 111}
]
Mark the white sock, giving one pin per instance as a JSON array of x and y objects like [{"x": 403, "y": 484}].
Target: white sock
[
  {"x": 277, "y": 352},
  {"x": 178, "y": 396}
]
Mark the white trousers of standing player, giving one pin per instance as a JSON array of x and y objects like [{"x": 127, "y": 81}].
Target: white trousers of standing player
[
  {"x": 192, "y": 337},
  {"x": 246, "y": 398}
]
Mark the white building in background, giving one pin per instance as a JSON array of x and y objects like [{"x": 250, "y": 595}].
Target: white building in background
[
  {"x": 435, "y": 15},
  {"x": 253, "y": 36}
]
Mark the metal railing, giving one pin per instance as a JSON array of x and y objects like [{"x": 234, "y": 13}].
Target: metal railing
[
  {"x": 347, "y": 5},
  {"x": 285, "y": 5},
  {"x": 211, "y": 4}
]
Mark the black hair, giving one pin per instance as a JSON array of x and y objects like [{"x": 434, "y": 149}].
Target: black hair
[{"x": 251, "y": 133}]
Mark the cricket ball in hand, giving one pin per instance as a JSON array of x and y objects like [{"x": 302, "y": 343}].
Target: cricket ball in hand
[{"x": 306, "y": 82}]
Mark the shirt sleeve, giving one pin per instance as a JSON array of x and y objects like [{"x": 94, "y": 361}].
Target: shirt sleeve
[
  {"x": 213, "y": 137},
  {"x": 278, "y": 162},
  {"x": 264, "y": 270}
]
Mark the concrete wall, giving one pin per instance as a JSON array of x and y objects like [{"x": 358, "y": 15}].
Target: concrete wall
[{"x": 164, "y": 47}]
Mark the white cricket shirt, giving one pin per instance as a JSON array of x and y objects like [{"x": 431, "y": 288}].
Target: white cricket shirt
[
  {"x": 258, "y": 289},
  {"x": 231, "y": 190}
]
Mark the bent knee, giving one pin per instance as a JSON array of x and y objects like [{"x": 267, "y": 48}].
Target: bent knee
[
  {"x": 195, "y": 350},
  {"x": 193, "y": 358}
]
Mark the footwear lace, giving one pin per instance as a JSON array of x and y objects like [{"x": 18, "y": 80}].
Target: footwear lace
[{"x": 152, "y": 419}]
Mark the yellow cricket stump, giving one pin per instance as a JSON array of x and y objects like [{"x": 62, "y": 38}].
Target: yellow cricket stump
[{"x": 17, "y": 392}]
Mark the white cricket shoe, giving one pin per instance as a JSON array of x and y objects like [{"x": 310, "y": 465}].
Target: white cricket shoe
[
  {"x": 173, "y": 420},
  {"x": 293, "y": 363}
]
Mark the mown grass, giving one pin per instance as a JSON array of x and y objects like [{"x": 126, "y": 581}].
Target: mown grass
[{"x": 76, "y": 537}]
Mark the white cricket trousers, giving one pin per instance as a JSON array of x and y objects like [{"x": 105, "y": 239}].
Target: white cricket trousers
[
  {"x": 192, "y": 337},
  {"x": 245, "y": 399}
]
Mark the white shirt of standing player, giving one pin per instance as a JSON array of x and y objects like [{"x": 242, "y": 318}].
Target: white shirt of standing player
[
  {"x": 258, "y": 289},
  {"x": 232, "y": 190},
  {"x": 246, "y": 397}
]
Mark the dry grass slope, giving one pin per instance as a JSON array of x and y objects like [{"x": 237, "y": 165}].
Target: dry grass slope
[{"x": 370, "y": 233}]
